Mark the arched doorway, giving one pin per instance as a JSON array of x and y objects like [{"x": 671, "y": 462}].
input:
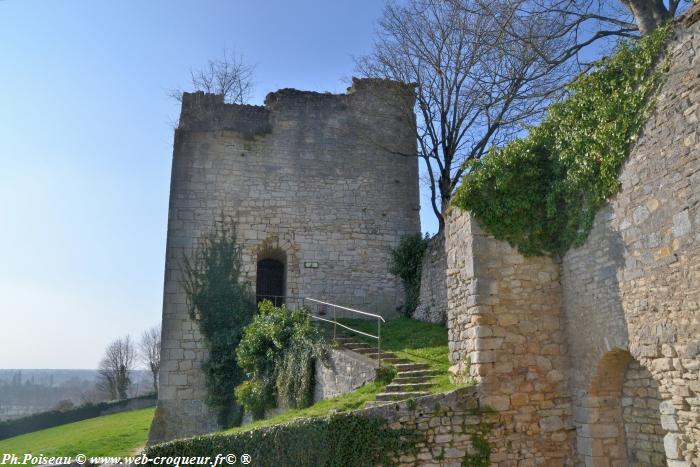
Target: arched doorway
[
  {"x": 622, "y": 421},
  {"x": 270, "y": 281}
]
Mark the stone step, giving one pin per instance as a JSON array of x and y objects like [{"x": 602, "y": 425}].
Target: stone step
[
  {"x": 365, "y": 350},
  {"x": 345, "y": 339},
  {"x": 398, "y": 396},
  {"x": 384, "y": 355},
  {"x": 404, "y": 367},
  {"x": 416, "y": 373},
  {"x": 407, "y": 387},
  {"x": 395, "y": 360},
  {"x": 376, "y": 403},
  {"x": 411, "y": 379},
  {"x": 354, "y": 345}
]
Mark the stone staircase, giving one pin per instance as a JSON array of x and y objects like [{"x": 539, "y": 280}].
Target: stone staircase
[{"x": 412, "y": 379}]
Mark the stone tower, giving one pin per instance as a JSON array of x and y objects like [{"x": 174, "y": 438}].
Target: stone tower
[{"x": 321, "y": 186}]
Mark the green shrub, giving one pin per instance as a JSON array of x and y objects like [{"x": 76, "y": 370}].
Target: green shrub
[
  {"x": 406, "y": 263},
  {"x": 343, "y": 440},
  {"x": 541, "y": 193},
  {"x": 222, "y": 306},
  {"x": 278, "y": 352}
]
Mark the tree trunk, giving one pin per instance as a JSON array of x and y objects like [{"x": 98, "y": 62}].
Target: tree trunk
[{"x": 648, "y": 14}]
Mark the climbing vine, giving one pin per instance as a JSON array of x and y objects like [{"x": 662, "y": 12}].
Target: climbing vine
[
  {"x": 406, "y": 263},
  {"x": 222, "y": 306},
  {"x": 481, "y": 456},
  {"x": 278, "y": 352},
  {"x": 541, "y": 193}
]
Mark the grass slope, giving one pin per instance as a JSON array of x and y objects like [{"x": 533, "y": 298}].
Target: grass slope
[{"x": 111, "y": 435}]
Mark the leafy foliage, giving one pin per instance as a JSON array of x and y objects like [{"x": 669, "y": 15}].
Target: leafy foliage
[
  {"x": 222, "y": 306},
  {"x": 338, "y": 440},
  {"x": 541, "y": 193},
  {"x": 278, "y": 352},
  {"x": 406, "y": 262}
]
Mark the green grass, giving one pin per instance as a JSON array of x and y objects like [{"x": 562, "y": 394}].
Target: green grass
[
  {"x": 413, "y": 340},
  {"x": 111, "y": 435}
]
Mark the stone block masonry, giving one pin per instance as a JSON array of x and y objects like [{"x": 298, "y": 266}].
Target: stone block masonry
[
  {"x": 323, "y": 184},
  {"x": 631, "y": 293},
  {"x": 432, "y": 306},
  {"x": 343, "y": 372},
  {"x": 506, "y": 332},
  {"x": 594, "y": 358}
]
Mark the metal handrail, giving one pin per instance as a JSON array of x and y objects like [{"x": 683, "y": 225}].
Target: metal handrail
[
  {"x": 286, "y": 299},
  {"x": 335, "y": 323},
  {"x": 345, "y": 308}
]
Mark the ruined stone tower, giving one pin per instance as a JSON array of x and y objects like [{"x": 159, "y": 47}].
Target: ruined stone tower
[{"x": 322, "y": 186}]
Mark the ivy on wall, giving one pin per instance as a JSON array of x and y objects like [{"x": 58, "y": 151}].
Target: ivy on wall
[
  {"x": 278, "y": 352},
  {"x": 406, "y": 263},
  {"x": 342, "y": 440},
  {"x": 541, "y": 193},
  {"x": 222, "y": 306}
]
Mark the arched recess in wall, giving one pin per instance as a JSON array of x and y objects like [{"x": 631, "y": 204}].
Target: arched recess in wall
[
  {"x": 623, "y": 423},
  {"x": 271, "y": 276}
]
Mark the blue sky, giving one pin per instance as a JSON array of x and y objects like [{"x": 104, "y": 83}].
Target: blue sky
[{"x": 86, "y": 146}]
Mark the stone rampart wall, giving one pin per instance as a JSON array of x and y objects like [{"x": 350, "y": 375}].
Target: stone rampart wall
[
  {"x": 432, "y": 306},
  {"x": 634, "y": 286}
]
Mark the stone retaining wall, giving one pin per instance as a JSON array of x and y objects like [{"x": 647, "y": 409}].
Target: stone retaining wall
[
  {"x": 344, "y": 371},
  {"x": 449, "y": 424}
]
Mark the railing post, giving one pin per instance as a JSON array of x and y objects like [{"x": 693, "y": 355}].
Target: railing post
[
  {"x": 379, "y": 342},
  {"x": 334, "y": 323}
]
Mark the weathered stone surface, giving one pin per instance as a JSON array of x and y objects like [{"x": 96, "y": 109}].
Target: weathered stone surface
[
  {"x": 506, "y": 331},
  {"x": 341, "y": 373},
  {"x": 615, "y": 340},
  {"x": 432, "y": 306},
  {"x": 634, "y": 286}
]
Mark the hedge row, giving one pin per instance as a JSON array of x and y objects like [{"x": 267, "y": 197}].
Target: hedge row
[
  {"x": 335, "y": 440},
  {"x": 41, "y": 420}
]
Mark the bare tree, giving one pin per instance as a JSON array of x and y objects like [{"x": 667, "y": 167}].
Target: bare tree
[
  {"x": 229, "y": 76},
  {"x": 476, "y": 87},
  {"x": 149, "y": 351},
  {"x": 587, "y": 29},
  {"x": 116, "y": 367}
]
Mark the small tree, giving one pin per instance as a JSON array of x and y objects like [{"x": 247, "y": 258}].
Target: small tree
[
  {"x": 149, "y": 348},
  {"x": 229, "y": 76},
  {"x": 116, "y": 367},
  {"x": 222, "y": 306}
]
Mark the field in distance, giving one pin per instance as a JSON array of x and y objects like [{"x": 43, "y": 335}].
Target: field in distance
[{"x": 111, "y": 435}]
